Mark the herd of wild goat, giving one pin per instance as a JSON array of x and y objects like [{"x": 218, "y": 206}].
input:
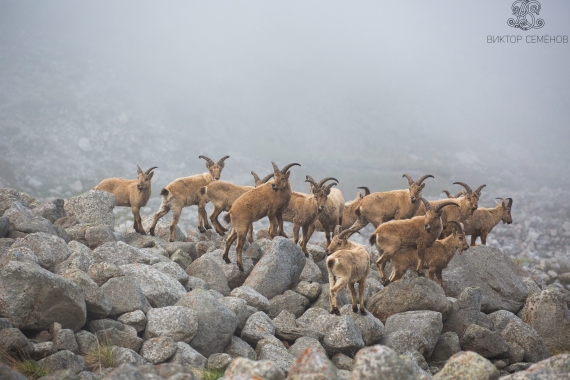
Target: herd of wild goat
[{"x": 410, "y": 231}]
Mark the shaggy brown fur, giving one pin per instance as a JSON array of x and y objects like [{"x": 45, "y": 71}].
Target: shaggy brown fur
[
  {"x": 133, "y": 193},
  {"x": 483, "y": 220}
]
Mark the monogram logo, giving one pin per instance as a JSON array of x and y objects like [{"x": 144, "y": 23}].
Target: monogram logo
[{"x": 524, "y": 10}]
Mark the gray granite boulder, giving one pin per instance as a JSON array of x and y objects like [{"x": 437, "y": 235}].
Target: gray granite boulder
[
  {"x": 186, "y": 355},
  {"x": 252, "y": 297},
  {"x": 380, "y": 363},
  {"x": 177, "y": 322},
  {"x": 290, "y": 301},
  {"x": 238, "y": 348},
  {"x": 370, "y": 327},
  {"x": 63, "y": 360},
  {"x": 49, "y": 249},
  {"x": 125, "y": 295},
  {"x": 79, "y": 258},
  {"x": 486, "y": 343},
  {"x": 158, "y": 350},
  {"x": 447, "y": 345},
  {"x": 465, "y": 311},
  {"x": 160, "y": 289},
  {"x": 470, "y": 365},
  {"x": 209, "y": 270},
  {"x": 426, "y": 323},
  {"x": 93, "y": 207},
  {"x": 97, "y": 303},
  {"x": 341, "y": 333},
  {"x": 257, "y": 327},
  {"x": 245, "y": 369},
  {"x": 24, "y": 221}
]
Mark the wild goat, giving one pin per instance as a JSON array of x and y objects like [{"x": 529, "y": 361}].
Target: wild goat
[
  {"x": 133, "y": 193},
  {"x": 467, "y": 205},
  {"x": 332, "y": 214},
  {"x": 222, "y": 194},
  {"x": 269, "y": 200},
  {"x": 419, "y": 233},
  {"x": 348, "y": 215},
  {"x": 347, "y": 264},
  {"x": 184, "y": 192},
  {"x": 378, "y": 208},
  {"x": 303, "y": 210},
  {"x": 483, "y": 220},
  {"x": 437, "y": 257}
]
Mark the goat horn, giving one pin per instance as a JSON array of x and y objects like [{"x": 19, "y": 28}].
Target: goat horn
[
  {"x": 208, "y": 161},
  {"x": 410, "y": 180},
  {"x": 311, "y": 181},
  {"x": 347, "y": 233},
  {"x": 440, "y": 206},
  {"x": 267, "y": 178},
  {"x": 510, "y": 201},
  {"x": 255, "y": 177},
  {"x": 427, "y": 204},
  {"x": 221, "y": 162},
  {"x": 366, "y": 190},
  {"x": 459, "y": 227},
  {"x": 447, "y": 193},
  {"x": 287, "y": 167},
  {"x": 458, "y": 194},
  {"x": 419, "y": 182},
  {"x": 149, "y": 170},
  {"x": 478, "y": 191},
  {"x": 469, "y": 191},
  {"x": 322, "y": 181},
  {"x": 502, "y": 200},
  {"x": 275, "y": 167},
  {"x": 328, "y": 187},
  {"x": 139, "y": 170}
]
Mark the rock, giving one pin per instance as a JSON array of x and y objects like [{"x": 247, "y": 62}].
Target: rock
[
  {"x": 304, "y": 343},
  {"x": 213, "y": 333},
  {"x": 93, "y": 207},
  {"x": 341, "y": 333},
  {"x": 380, "y": 363},
  {"x": 309, "y": 290},
  {"x": 290, "y": 301},
  {"x": 409, "y": 294},
  {"x": 252, "y": 297},
  {"x": 162, "y": 228},
  {"x": 23, "y": 220},
  {"x": 195, "y": 283},
  {"x": 500, "y": 319},
  {"x": 342, "y": 361},
  {"x": 49, "y": 249},
  {"x": 404, "y": 340},
  {"x": 556, "y": 367},
  {"x": 277, "y": 355},
  {"x": 310, "y": 315},
  {"x": 5, "y": 323},
  {"x": 181, "y": 258},
  {"x": 122, "y": 338},
  {"x": 286, "y": 328},
  {"x": 278, "y": 270},
  {"x": 447, "y": 345},
  {"x": 63, "y": 360},
  {"x": 219, "y": 362},
  {"x": 136, "y": 319},
  {"x": 77, "y": 232},
  {"x": 14, "y": 343},
  {"x": 173, "y": 270},
  {"x": 160, "y": 290},
  {"x": 491, "y": 270},
  {"x": 188, "y": 249},
  {"x": 125, "y": 295},
  {"x": 9, "y": 374},
  {"x": 86, "y": 342},
  {"x": 211, "y": 272},
  {"x": 42, "y": 350},
  {"x": 97, "y": 303},
  {"x": 370, "y": 327},
  {"x": 103, "y": 324},
  {"x": 264, "y": 369},
  {"x": 4, "y": 226},
  {"x": 240, "y": 309},
  {"x": 62, "y": 374},
  {"x": 527, "y": 338},
  {"x": 177, "y": 322},
  {"x": 51, "y": 210},
  {"x": 239, "y": 348},
  {"x": 323, "y": 300},
  {"x": 48, "y": 297},
  {"x": 470, "y": 365},
  {"x": 9, "y": 196},
  {"x": 313, "y": 364},
  {"x": 99, "y": 235},
  {"x": 102, "y": 272},
  {"x": 486, "y": 343},
  {"x": 234, "y": 276},
  {"x": 158, "y": 350},
  {"x": 465, "y": 311},
  {"x": 64, "y": 339},
  {"x": 120, "y": 253},
  {"x": 79, "y": 258},
  {"x": 426, "y": 323},
  {"x": 257, "y": 327},
  {"x": 186, "y": 355},
  {"x": 311, "y": 272},
  {"x": 548, "y": 314},
  {"x": 123, "y": 356}
]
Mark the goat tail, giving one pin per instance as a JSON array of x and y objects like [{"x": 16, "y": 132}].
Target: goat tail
[
  {"x": 164, "y": 192},
  {"x": 372, "y": 239},
  {"x": 202, "y": 190},
  {"x": 330, "y": 263},
  {"x": 228, "y": 218},
  {"x": 357, "y": 211}
]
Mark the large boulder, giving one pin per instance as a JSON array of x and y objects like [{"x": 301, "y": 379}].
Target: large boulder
[
  {"x": 177, "y": 322},
  {"x": 290, "y": 301},
  {"x": 79, "y": 258},
  {"x": 370, "y": 327},
  {"x": 468, "y": 365},
  {"x": 23, "y": 220},
  {"x": 209, "y": 270},
  {"x": 465, "y": 311},
  {"x": 523, "y": 335},
  {"x": 160, "y": 289},
  {"x": 97, "y": 303},
  {"x": 162, "y": 228},
  {"x": 34, "y": 298},
  {"x": 408, "y": 294},
  {"x": 92, "y": 207},
  {"x": 242, "y": 368},
  {"x": 120, "y": 253},
  {"x": 485, "y": 342},
  {"x": 63, "y": 360},
  {"x": 313, "y": 364},
  {"x": 341, "y": 333},
  {"x": 252, "y": 297},
  {"x": 49, "y": 249},
  {"x": 278, "y": 270},
  {"x": 380, "y": 363},
  {"x": 186, "y": 355},
  {"x": 51, "y": 210},
  {"x": 234, "y": 276},
  {"x": 556, "y": 367},
  {"x": 216, "y": 323},
  {"x": 426, "y": 323},
  {"x": 125, "y": 295},
  {"x": 257, "y": 327},
  {"x": 491, "y": 270},
  {"x": 548, "y": 314}
]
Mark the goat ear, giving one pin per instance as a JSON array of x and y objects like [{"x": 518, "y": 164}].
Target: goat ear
[
  {"x": 287, "y": 175},
  {"x": 150, "y": 175},
  {"x": 422, "y": 186},
  {"x": 139, "y": 170}
]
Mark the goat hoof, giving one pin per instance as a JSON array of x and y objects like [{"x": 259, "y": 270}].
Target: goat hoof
[
  {"x": 208, "y": 227},
  {"x": 201, "y": 229},
  {"x": 355, "y": 309},
  {"x": 227, "y": 260},
  {"x": 240, "y": 267},
  {"x": 335, "y": 311},
  {"x": 421, "y": 274},
  {"x": 385, "y": 282},
  {"x": 363, "y": 311},
  {"x": 151, "y": 231}
]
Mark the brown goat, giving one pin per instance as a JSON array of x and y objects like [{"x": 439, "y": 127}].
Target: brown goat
[
  {"x": 378, "y": 208},
  {"x": 133, "y": 193},
  {"x": 349, "y": 216},
  {"x": 268, "y": 200},
  {"x": 332, "y": 214},
  {"x": 303, "y": 210},
  {"x": 347, "y": 264},
  {"x": 437, "y": 257},
  {"x": 184, "y": 192},
  {"x": 483, "y": 220},
  {"x": 222, "y": 194},
  {"x": 419, "y": 233}
]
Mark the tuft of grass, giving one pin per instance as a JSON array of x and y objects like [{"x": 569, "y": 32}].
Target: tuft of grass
[
  {"x": 25, "y": 365},
  {"x": 558, "y": 351},
  {"x": 520, "y": 261},
  {"x": 211, "y": 374},
  {"x": 100, "y": 358}
]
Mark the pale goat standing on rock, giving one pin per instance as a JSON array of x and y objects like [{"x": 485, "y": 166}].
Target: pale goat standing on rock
[
  {"x": 332, "y": 214},
  {"x": 269, "y": 200},
  {"x": 133, "y": 193},
  {"x": 184, "y": 192},
  {"x": 419, "y": 233},
  {"x": 437, "y": 257},
  {"x": 347, "y": 264},
  {"x": 483, "y": 220}
]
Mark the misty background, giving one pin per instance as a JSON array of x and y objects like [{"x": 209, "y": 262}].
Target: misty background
[{"x": 362, "y": 91}]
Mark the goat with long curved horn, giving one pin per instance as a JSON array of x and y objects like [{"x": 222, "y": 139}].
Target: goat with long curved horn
[
  {"x": 421, "y": 180},
  {"x": 287, "y": 167},
  {"x": 209, "y": 162},
  {"x": 478, "y": 191},
  {"x": 322, "y": 181},
  {"x": 410, "y": 180},
  {"x": 366, "y": 190},
  {"x": 469, "y": 191},
  {"x": 221, "y": 161},
  {"x": 151, "y": 169}
]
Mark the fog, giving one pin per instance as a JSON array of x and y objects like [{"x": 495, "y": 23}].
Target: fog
[{"x": 362, "y": 91}]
